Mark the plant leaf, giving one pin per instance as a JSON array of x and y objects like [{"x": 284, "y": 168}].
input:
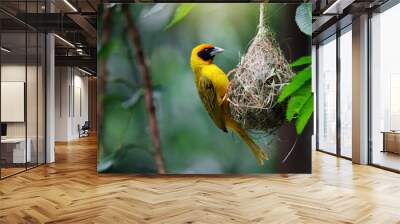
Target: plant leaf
[
  {"x": 304, "y": 18},
  {"x": 106, "y": 49},
  {"x": 305, "y": 115},
  {"x": 297, "y": 101},
  {"x": 297, "y": 81},
  {"x": 102, "y": 167},
  {"x": 105, "y": 163},
  {"x": 180, "y": 13},
  {"x": 155, "y": 9},
  {"x": 133, "y": 99},
  {"x": 305, "y": 60}
]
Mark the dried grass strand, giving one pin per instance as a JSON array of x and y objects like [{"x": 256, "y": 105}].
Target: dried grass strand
[{"x": 257, "y": 81}]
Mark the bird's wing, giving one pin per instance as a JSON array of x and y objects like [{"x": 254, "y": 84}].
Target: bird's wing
[{"x": 208, "y": 96}]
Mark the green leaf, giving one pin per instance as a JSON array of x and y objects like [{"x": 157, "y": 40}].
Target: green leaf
[
  {"x": 155, "y": 9},
  {"x": 297, "y": 81},
  {"x": 105, "y": 163},
  {"x": 305, "y": 115},
  {"x": 304, "y": 18},
  {"x": 297, "y": 101},
  {"x": 108, "y": 162},
  {"x": 124, "y": 82},
  {"x": 133, "y": 99},
  {"x": 106, "y": 49},
  {"x": 180, "y": 13},
  {"x": 305, "y": 60},
  {"x": 138, "y": 93}
]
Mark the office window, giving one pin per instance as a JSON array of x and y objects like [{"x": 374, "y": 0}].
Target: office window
[
  {"x": 385, "y": 89},
  {"x": 346, "y": 93},
  {"x": 327, "y": 96}
]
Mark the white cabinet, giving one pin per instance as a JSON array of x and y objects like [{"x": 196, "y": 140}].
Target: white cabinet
[{"x": 18, "y": 145}]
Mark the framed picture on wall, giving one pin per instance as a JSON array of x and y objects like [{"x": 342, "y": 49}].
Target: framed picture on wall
[{"x": 205, "y": 88}]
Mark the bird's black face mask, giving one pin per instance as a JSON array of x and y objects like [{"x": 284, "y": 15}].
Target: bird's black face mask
[{"x": 209, "y": 53}]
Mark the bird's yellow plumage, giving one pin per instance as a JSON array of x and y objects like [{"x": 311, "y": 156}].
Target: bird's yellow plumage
[{"x": 212, "y": 85}]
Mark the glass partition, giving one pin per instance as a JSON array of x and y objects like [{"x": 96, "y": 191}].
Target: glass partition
[
  {"x": 22, "y": 88},
  {"x": 346, "y": 93},
  {"x": 13, "y": 106},
  {"x": 385, "y": 90},
  {"x": 327, "y": 96}
]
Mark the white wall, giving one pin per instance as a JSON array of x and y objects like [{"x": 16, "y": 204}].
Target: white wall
[
  {"x": 17, "y": 73},
  {"x": 71, "y": 102},
  {"x": 12, "y": 73},
  {"x": 33, "y": 126},
  {"x": 62, "y": 81}
]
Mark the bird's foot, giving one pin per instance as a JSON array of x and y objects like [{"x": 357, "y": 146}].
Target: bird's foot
[
  {"x": 231, "y": 72},
  {"x": 226, "y": 95},
  {"x": 224, "y": 98}
]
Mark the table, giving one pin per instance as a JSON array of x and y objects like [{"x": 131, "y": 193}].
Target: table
[
  {"x": 391, "y": 141},
  {"x": 16, "y": 147}
]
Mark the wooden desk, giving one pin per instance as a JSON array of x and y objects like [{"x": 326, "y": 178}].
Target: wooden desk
[
  {"x": 16, "y": 147},
  {"x": 391, "y": 141}
]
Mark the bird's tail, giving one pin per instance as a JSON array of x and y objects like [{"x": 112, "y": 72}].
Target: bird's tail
[{"x": 255, "y": 149}]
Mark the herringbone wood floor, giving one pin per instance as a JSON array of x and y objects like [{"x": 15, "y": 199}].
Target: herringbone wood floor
[{"x": 70, "y": 191}]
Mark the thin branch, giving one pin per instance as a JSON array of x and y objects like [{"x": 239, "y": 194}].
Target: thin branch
[
  {"x": 291, "y": 150},
  {"x": 102, "y": 78},
  {"x": 148, "y": 94}
]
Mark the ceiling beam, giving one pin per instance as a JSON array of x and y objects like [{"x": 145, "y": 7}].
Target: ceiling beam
[
  {"x": 84, "y": 24},
  {"x": 78, "y": 61},
  {"x": 337, "y": 7}
]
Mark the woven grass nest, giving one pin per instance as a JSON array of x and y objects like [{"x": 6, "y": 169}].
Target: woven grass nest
[{"x": 257, "y": 81}]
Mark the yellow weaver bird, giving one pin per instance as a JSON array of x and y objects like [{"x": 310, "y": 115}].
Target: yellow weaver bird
[{"x": 212, "y": 85}]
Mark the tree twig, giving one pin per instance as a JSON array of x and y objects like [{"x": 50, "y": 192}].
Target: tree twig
[
  {"x": 102, "y": 78},
  {"x": 148, "y": 94}
]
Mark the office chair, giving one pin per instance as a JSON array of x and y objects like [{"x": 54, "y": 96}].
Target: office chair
[{"x": 84, "y": 130}]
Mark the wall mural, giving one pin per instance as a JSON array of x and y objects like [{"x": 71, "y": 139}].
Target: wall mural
[{"x": 205, "y": 88}]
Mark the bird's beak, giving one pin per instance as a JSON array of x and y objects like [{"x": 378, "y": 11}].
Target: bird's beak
[{"x": 216, "y": 50}]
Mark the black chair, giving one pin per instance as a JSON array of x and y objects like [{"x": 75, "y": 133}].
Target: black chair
[{"x": 84, "y": 130}]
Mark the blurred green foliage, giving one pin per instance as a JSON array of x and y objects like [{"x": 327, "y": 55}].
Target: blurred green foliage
[
  {"x": 181, "y": 11},
  {"x": 190, "y": 141}
]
